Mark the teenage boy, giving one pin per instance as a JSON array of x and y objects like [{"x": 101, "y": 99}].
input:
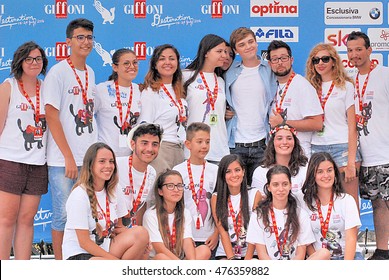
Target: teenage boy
[
  {"x": 295, "y": 102},
  {"x": 371, "y": 108},
  {"x": 250, "y": 88},
  {"x": 68, "y": 96},
  {"x": 199, "y": 177},
  {"x": 136, "y": 175}
]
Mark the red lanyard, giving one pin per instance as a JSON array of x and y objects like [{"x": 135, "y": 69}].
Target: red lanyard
[
  {"x": 275, "y": 230},
  {"x": 279, "y": 106},
  {"x": 107, "y": 213},
  {"x": 83, "y": 90},
  {"x": 172, "y": 237},
  {"x": 362, "y": 94},
  {"x": 136, "y": 202},
  {"x": 211, "y": 98},
  {"x": 179, "y": 106},
  {"x": 192, "y": 188},
  {"x": 120, "y": 105},
  {"x": 324, "y": 224},
  {"x": 37, "y": 99},
  {"x": 237, "y": 222},
  {"x": 324, "y": 100}
]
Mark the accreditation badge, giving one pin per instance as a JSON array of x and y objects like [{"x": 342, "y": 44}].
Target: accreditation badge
[{"x": 213, "y": 119}]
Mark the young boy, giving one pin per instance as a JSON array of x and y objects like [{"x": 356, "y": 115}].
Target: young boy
[
  {"x": 68, "y": 97},
  {"x": 199, "y": 178},
  {"x": 136, "y": 175}
]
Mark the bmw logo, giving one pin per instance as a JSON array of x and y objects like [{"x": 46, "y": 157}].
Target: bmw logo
[{"x": 374, "y": 13}]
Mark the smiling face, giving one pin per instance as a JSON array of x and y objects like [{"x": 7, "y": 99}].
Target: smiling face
[
  {"x": 146, "y": 147},
  {"x": 33, "y": 69},
  {"x": 80, "y": 49},
  {"x": 247, "y": 48},
  {"x": 234, "y": 175},
  {"x": 358, "y": 54},
  {"x": 126, "y": 68},
  {"x": 325, "y": 175},
  {"x": 283, "y": 142},
  {"x": 167, "y": 65},
  {"x": 322, "y": 68},
  {"x": 103, "y": 167},
  {"x": 279, "y": 187},
  {"x": 216, "y": 56}
]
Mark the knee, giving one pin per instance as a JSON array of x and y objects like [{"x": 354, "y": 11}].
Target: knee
[
  {"x": 141, "y": 234},
  {"x": 324, "y": 254}
]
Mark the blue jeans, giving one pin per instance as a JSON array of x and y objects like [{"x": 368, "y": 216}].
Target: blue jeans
[
  {"x": 61, "y": 187},
  {"x": 251, "y": 157}
]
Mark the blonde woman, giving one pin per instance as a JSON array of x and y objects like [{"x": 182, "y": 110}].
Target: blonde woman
[{"x": 94, "y": 209}]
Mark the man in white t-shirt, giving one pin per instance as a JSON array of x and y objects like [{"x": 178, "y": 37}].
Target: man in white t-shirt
[
  {"x": 136, "y": 175},
  {"x": 68, "y": 96},
  {"x": 372, "y": 115},
  {"x": 295, "y": 102},
  {"x": 250, "y": 87}
]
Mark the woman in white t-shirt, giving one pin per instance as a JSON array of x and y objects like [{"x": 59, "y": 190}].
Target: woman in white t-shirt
[
  {"x": 280, "y": 229},
  {"x": 333, "y": 213},
  {"x": 117, "y": 102},
  {"x": 283, "y": 149},
  {"x": 94, "y": 229},
  {"x": 335, "y": 89},
  {"x": 162, "y": 103},
  {"x": 231, "y": 205},
  {"x": 205, "y": 93},
  {"x": 170, "y": 224}
]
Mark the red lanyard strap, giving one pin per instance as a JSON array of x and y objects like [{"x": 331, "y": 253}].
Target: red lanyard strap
[
  {"x": 279, "y": 105},
  {"x": 172, "y": 236},
  {"x": 211, "y": 98},
  {"x": 83, "y": 90},
  {"x": 136, "y": 202},
  {"x": 36, "y": 107},
  {"x": 324, "y": 100},
  {"x": 192, "y": 188},
  {"x": 179, "y": 106},
  {"x": 324, "y": 224},
  {"x": 275, "y": 230},
  {"x": 119, "y": 105},
  {"x": 107, "y": 213},
  {"x": 362, "y": 94},
  {"x": 236, "y": 221}
]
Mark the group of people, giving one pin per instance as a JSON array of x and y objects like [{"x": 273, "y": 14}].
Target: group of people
[{"x": 226, "y": 159}]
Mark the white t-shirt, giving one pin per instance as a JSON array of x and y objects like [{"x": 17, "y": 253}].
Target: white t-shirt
[
  {"x": 259, "y": 179},
  {"x": 300, "y": 101},
  {"x": 150, "y": 222},
  {"x": 235, "y": 202},
  {"x": 335, "y": 115},
  {"x": 63, "y": 92},
  {"x": 108, "y": 120},
  {"x": 344, "y": 215},
  {"x": 200, "y": 110},
  {"x": 249, "y": 99},
  {"x": 124, "y": 183},
  {"x": 79, "y": 216},
  {"x": 158, "y": 108},
  {"x": 210, "y": 175},
  {"x": 257, "y": 234},
  {"x": 18, "y": 142},
  {"x": 374, "y": 137}
]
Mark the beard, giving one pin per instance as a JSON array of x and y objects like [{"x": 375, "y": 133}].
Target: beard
[{"x": 283, "y": 73}]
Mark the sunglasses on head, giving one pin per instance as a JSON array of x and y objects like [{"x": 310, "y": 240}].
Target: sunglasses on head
[{"x": 325, "y": 59}]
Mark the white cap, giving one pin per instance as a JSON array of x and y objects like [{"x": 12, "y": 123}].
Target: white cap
[{"x": 132, "y": 131}]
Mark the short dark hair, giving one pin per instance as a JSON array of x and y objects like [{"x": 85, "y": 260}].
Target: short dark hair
[
  {"x": 77, "y": 23},
  {"x": 21, "y": 54},
  {"x": 195, "y": 127},
  {"x": 277, "y": 44},
  {"x": 152, "y": 129},
  {"x": 358, "y": 34}
]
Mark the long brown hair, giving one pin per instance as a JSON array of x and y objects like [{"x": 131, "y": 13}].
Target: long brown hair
[
  {"x": 86, "y": 179},
  {"x": 162, "y": 215}
]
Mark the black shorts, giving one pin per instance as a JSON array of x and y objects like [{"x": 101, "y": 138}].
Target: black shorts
[{"x": 80, "y": 257}]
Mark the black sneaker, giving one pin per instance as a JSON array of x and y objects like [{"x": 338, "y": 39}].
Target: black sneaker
[{"x": 379, "y": 255}]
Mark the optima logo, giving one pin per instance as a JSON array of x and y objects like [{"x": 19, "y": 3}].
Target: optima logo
[{"x": 260, "y": 8}]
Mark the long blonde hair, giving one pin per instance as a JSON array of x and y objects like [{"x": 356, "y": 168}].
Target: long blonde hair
[
  {"x": 339, "y": 75},
  {"x": 86, "y": 180},
  {"x": 162, "y": 215}
]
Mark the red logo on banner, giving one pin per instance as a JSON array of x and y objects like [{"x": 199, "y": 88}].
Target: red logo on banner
[
  {"x": 61, "y": 50},
  {"x": 217, "y": 8},
  {"x": 23, "y": 107},
  {"x": 140, "y": 8},
  {"x": 61, "y": 8},
  {"x": 140, "y": 50}
]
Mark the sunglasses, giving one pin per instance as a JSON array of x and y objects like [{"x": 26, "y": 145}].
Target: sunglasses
[{"x": 325, "y": 59}]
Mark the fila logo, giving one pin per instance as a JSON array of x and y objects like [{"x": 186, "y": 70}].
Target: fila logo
[
  {"x": 217, "y": 8},
  {"x": 61, "y": 50},
  {"x": 140, "y": 50},
  {"x": 139, "y": 8}
]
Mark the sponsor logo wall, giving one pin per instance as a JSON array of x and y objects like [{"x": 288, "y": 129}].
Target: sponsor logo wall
[{"x": 142, "y": 25}]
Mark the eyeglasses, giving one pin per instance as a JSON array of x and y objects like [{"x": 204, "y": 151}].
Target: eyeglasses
[
  {"x": 30, "y": 60},
  {"x": 127, "y": 64},
  {"x": 325, "y": 59},
  {"x": 171, "y": 186},
  {"x": 81, "y": 38},
  {"x": 275, "y": 60}
]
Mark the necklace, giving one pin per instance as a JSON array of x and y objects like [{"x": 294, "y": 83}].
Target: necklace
[{"x": 280, "y": 90}]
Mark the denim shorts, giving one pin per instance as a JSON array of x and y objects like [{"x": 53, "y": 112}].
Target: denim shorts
[
  {"x": 60, "y": 187},
  {"x": 339, "y": 152},
  {"x": 21, "y": 178}
]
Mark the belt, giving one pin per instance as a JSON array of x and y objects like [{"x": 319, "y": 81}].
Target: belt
[{"x": 253, "y": 144}]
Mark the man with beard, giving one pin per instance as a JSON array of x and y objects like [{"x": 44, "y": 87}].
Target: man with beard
[
  {"x": 250, "y": 87},
  {"x": 136, "y": 175},
  {"x": 296, "y": 102}
]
